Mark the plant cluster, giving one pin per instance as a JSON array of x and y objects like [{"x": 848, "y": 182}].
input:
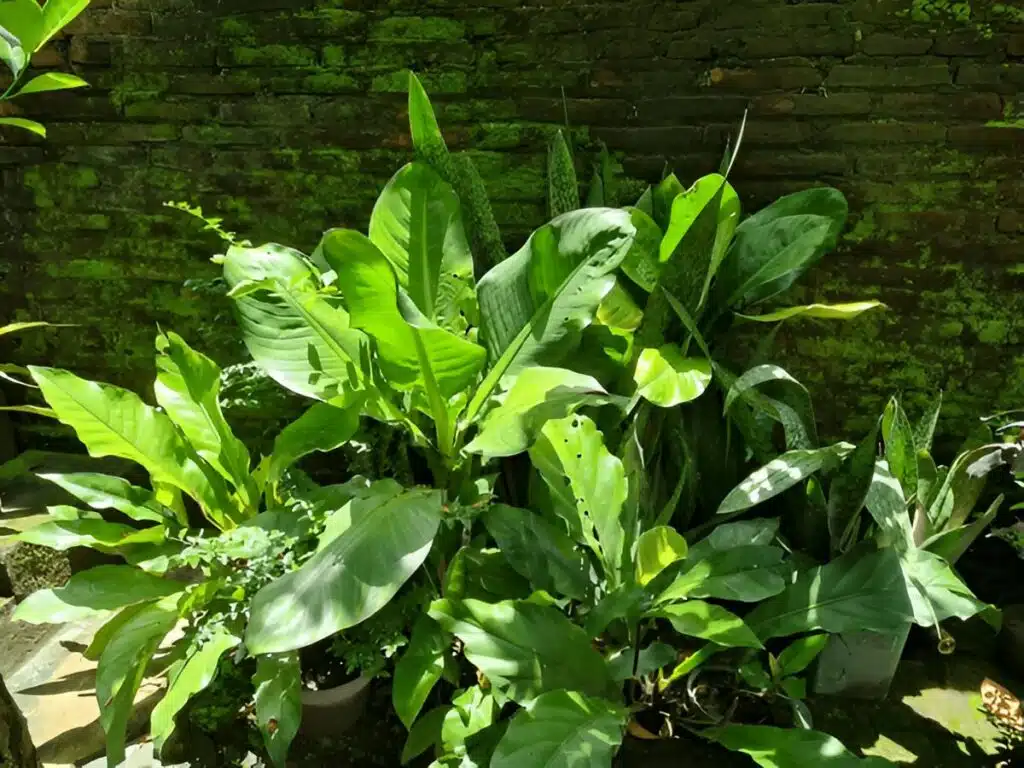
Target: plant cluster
[{"x": 586, "y": 560}]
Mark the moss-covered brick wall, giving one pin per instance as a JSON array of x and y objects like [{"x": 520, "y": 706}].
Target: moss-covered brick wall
[{"x": 287, "y": 116}]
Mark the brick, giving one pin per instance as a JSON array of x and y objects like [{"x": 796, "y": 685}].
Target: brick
[
  {"x": 810, "y": 43},
  {"x": 668, "y": 139},
  {"x": 267, "y": 56},
  {"x": 1010, "y": 222},
  {"x": 427, "y": 28},
  {"x": 111, "y": 23},
  {"x": 984, "y": 137},
  {"x": 968, "y": 43},
  {"x": 774, "y": 164},
  {"x": 885, "y": 44},
  {"x": 775, "y": 17},
  {"x": 886, "y": 133},
  {"x": 812, "y": 105},
  {"x": 690, "y": 48},
  {"x": 978, "y": 106},
  {"x": 1015, "y": 45},
  {"x": 985, "y": 75},
  {"x": 767, "y": 79},
  {"x": 858, "y": 76}
]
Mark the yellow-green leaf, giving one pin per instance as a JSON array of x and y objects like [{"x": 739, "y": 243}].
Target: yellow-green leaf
[
  {"x": 657, "y": 549},
  {"x": 51, "y": 81},
  {"x": 29, "y": 125},
  {"x": 666, "y": 378},
  {"x": 846, "y": 311}
]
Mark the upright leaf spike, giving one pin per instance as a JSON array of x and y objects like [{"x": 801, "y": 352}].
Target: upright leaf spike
[{"x": 563, "y": 187}]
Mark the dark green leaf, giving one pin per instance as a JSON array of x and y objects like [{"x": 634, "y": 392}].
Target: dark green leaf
[
  {"x": 799, "y": 654},
  {"x": 278, "y": 682},
  {"x": 652, "y": 658},
  {"x": 936, "y": 592},
  {"x": 425, "y": 733},
  {"x": 419, "y": 669},
  {"x": 108, "y": 492},
  {"x": 849, "y": 490},
  {"x": 324, "y": 427},
  {"x": 563, "y": 188},
  {"x": 900, "y": 451},
  {"x": 713, "y": 623},
  {"x": 790, "y": 747}
]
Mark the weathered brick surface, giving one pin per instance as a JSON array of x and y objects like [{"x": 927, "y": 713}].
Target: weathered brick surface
[{"x": 286, "y": 117}]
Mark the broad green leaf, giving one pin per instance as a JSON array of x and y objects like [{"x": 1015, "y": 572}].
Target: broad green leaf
[
  {"x": 535, "y": 304},
  {"x": 745, "y": 573},
  {"x": 426, "y": 135},
  {"x": 51, "y": 81},
  {"x": 593, "y": 500},
  {"x": 62, "y": 535},
  {"x": 188, "y": 677},
  {"x": 849, "y": 490},
  {"x": 641, "y": 263},
  {"x": 417, "y": 225},
  {"x": 900, "y": 451},
  {"x": 122, "y": 667},
  {"x": 524, "y": 648},
  {"x": 959, "y": 491},
  {"x": 536, "y": 396},
  {"x": 886, "y": 504},
  {"x": 663, "y": 197},
  {"x": 101, "y": 639},
  {"x": 278, "y": 682},
  {"x": 744, "y": 533},
  {"x": 29, "y": 125},
  {"x": 729, "y": 212},
  {"x": 303, "y": 341},
  {"x": 951, "y": 544},
  {"x": 713, "y": 623},
  {"x": 108, "y": 492},
  {"x": 650, "y": 660},
  {"x": 777, "y": 245},
  {"x": 666, "y": 378},
  {"x": 349, "y": 580},
  {"x": 780, "y": 475},
  {"x": 799, "y": 654},
  {"x": 410, "y": 354},
  {"x": 483, "y": 574},
  {"x": 686, "y": 207},
  {"x": 656, "y": 549},
  {"x": 472, "y": 711},
  {"x": 323, "y": 427},
  {"x": 686, "y": 264},
  {"x": 924, "y": 433},
  {"x": 856, "y": 592},
  {"x": 618, "y": 310},
  {"x": 563, "y": 187},
  {"x": 188, "y": 389},
  {"x": 419, "y": 669},
  {"x": 24, "y": 20},
  {"x": 425, "y": 733},
  {"x": 936, "y": 592},
  {"x": 539, "y": 551},
  {"x": 92, "y": 593},
  {"x": 562, "y": 729},
  {"x": 772, "y": 747},
  {"x": 13, "y": 55},
  {"x": 57, "y": 14},
  {"x": 645, "y": 202},
  {"x": 818, "y": 311},
  {"x": 111, "y": 421}
]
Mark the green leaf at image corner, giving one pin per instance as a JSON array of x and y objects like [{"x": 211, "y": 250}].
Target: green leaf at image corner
[
  {"x": 11, "y": 53},
  {"x": 29, "y": 125},
  {"x": 278, "y": 683},
  {"x": 51, "y": 81},
  {"x": 656, "y": 549},
  {"x": 93, "y": 593},
  {"x": 562, "y": 729},
  {"x": 666, "y": 378}
]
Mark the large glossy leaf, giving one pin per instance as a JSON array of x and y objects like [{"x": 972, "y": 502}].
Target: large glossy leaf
[
  {"x": 900, "y": 450},
  {"x": 773, "y": 392},
  {"x": 535, "y": 304},
  {"x": 57, "y": 14},
  {"x": 713, "y": 623},
  {"x": 417, "y": 225},
  {"x": 15, "y": 57},
  {"x": 51, "y": 81},
  {"x": 278, "y": 682},
  {"x": 473, "y": 711},
  {"x": 856, "y": 592},
  {"x": 589, "y": 488},
  {"x": 663, "y": 196},
  {"x": 959, "y": 492},
  {"x": 24, "y": 20},
  {"x": 111, "y": 421},
  {"x": 744, "y": 533},
  {"x": 92, "y": 593},
  {"x": 846, "y": 311},
  {"x": 951, "y": 544},
  {"x": 424, "y": 733},
  {"x": 419, "y": 669},
  {"x": 185, "y": 679},
  {"x": 62, "y": 535},
  {"x": 539, "y": 551},
  {"x": 886, "y": 504},
  {"x": 780, "y": 475},
  {"x": 641, "y": 264},
  {"x": 483, "y": 574},
  {"x": 524, "y": 648},
  {"x": 848, "y": 492},
  {"x": 936, "y": 592},
  {"x": 350, "y": 579},
  {"x": 324, "y": 427},
  {"x": 799, "y": 654},
  {"x": 790, "y": 747},
  {"x": 777, "y": 245},
  {"x": 122, "y": 667},
  {"x": 744, "y": 573},
  {"x": 537, "y": 395},
  {"x": 188, "y": 389},
  {"x": 667, "y": 378},
  {"x": 108, "y": 492},
  {"x": 302, "y": 340},
  {"x": 410, "y": 353},
  {"x": 562, "y": 729}
]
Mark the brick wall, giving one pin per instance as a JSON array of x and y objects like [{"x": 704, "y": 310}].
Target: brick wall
[{"x": 286, "y": 117}]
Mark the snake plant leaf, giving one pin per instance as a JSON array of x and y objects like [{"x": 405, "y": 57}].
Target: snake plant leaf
[
  {"x": 900, "y": 448},
  {"x": 417, "y": 224},
  {"x": 563, "y": 186}
]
